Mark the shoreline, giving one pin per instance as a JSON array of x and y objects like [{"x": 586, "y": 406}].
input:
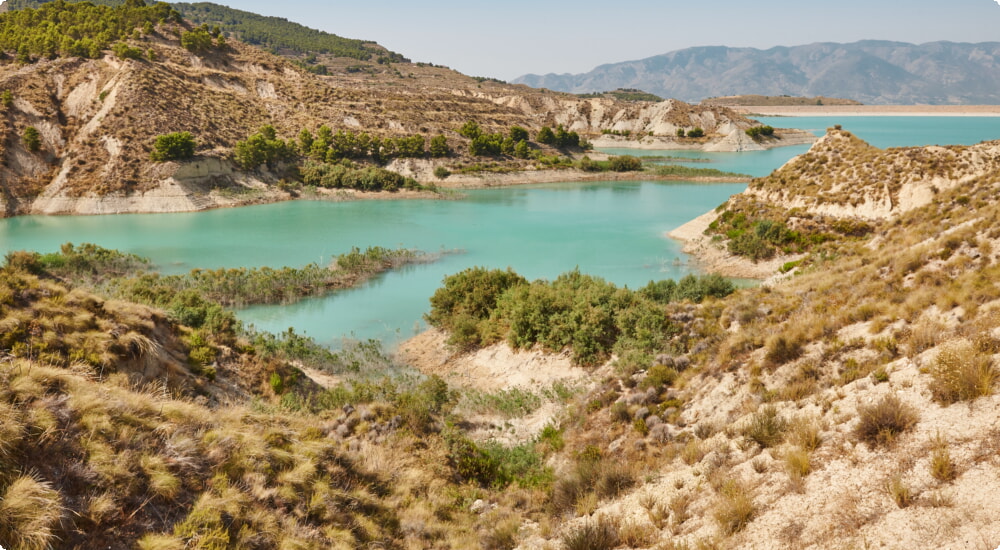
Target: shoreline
[
  {"x": 869, "y": 110},
  {"x": 712, "y": 257},
  {"x": 198, "y": 202}
]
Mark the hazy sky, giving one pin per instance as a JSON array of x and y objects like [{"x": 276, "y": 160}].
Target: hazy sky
[{"x": 505, "y": 39}]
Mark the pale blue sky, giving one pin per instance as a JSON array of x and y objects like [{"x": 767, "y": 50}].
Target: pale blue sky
[{"x": 505, "y": 39}]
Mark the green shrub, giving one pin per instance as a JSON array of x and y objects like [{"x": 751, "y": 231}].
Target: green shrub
[
  {"x": 518, "y": 133},
  {"x": 197, "y": 40},
  {"x": 625, "y": 163},
  {"x": 545, "y": 136},
  {"x": 32, "y": 139},
  {"x": 695, "y": 133},
  {"x": 173, "y": 146},
  {"x": 439, "y": 147},
  {"x": 470, "y": 130},
  {"x": 123, "y": 51}
]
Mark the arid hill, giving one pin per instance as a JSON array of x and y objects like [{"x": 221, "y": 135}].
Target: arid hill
[
  {"x": 97, "y": 119},
  {"x": 851, "y": 402}
]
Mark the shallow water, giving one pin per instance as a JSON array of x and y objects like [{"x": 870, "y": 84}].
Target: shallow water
[{"x": 611, "y": 229}]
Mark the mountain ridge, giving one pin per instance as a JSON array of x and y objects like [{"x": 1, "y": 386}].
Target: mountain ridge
[{"x": 870, "y": 71}]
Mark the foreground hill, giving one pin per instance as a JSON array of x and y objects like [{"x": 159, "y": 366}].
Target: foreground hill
[
  {"x": 861, "y": 390},
  {"x": 134, "y": 412},
  {"x": 79, "y": 121},
  {"x": 870, "y": 71}
]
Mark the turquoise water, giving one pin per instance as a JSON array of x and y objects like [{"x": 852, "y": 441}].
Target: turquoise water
[
  {"x": 612, "y": 229},
  {"x": 881, "y": 132}
]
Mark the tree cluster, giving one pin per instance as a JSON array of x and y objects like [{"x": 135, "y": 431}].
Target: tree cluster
[
  {"x": 174, "y": 146},
  {"x": 585, "y": 314},
  {"x": 758, "y": 131},
  {"x": 79, "y": 29},
  {"x": 277, "y": 33}
]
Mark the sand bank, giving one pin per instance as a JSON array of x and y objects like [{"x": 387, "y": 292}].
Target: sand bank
[{"x": 870, "y": 110}]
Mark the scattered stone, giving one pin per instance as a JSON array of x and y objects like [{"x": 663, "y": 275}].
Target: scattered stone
[{"x": 348, "y": 409}]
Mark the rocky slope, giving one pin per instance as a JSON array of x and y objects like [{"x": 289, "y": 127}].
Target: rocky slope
[
  {"x": 851, "y": 405},
  {"x": 870, "y": 71}
]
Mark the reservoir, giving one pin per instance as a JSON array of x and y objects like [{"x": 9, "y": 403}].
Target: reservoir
[{"x": 614, "y": 230}]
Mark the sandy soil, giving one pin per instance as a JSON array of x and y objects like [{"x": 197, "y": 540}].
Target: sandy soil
[
  {"x": 870, "y": 110},
  {"x": 496, "y": 367},
  {"x": 712, "y": 257}
]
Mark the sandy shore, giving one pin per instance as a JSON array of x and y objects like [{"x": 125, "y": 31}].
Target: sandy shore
[
  {"x": 485, "y": 180},
  {"x": 871, "y": 110}
]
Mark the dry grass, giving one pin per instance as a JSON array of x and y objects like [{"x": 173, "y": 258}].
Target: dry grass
[
  {"x": 941, "y": 466},
  {"x": 30, "y": 512},
  {"x": 882, "y": 422},
  {"x": 766, "y": 427},
  {"x": 899, "y": 491},
  {"x": 735, "y": 507},
  {"x": 961, "y": 372},
  {"x": 798, "y": 463},
  {"x": 599, "y": 534}
]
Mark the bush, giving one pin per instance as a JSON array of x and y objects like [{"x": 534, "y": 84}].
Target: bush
[
  {"x": 32, "y": 139},
  {"x": 960, "y": 372},
  {"x": 766, "y": 427},
  {"x": 881, "y": 423},
  {"x": 196, "y": 40},
  {"x": 123, "y": 51},
  {"x": 546, "y": 136},
  {"x": 441, "y": 172},
  {"x": 695, "y": 133},
  {"x": 261, "y": 148},
  {"x": 174, "y": 146},
  {"x": 439, "y": 147},
  {"x": 518, "y": 133},
  {"x": 625, "y": 163},
  {"x": 470, "y": 130}
]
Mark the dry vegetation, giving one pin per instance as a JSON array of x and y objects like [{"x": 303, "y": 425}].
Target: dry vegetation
[{"x": 98, "y": 118}]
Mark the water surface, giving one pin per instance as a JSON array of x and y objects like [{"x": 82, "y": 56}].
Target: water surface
[{"x": 611, "y": 229}]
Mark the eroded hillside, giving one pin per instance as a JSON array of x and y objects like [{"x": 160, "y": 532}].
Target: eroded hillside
[{"x": 97, "y": 114}]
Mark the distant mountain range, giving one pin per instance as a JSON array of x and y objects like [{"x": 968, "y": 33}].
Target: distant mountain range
[{"x": 870, "y": 71}]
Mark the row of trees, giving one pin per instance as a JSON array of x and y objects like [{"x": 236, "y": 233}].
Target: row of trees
[
  {"x": 515, "y": 142},
  {"x": 78, "y": 29}
]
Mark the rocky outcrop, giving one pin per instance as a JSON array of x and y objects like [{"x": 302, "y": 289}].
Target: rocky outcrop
[{"x": 842, "y": 176}]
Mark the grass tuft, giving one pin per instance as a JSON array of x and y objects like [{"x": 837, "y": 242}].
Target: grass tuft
[
  {"x": 766, "y": 427},
  {"x": 882, "y": 422},
  {"x": 601, "y": 534},
  {"x": 735, "y": 509},
  {"x": 960, "y": 372},
  {"x": 29, "y": 514}
]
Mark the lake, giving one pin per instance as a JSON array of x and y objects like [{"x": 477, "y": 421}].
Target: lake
[{"x": 615, "y": 230}]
